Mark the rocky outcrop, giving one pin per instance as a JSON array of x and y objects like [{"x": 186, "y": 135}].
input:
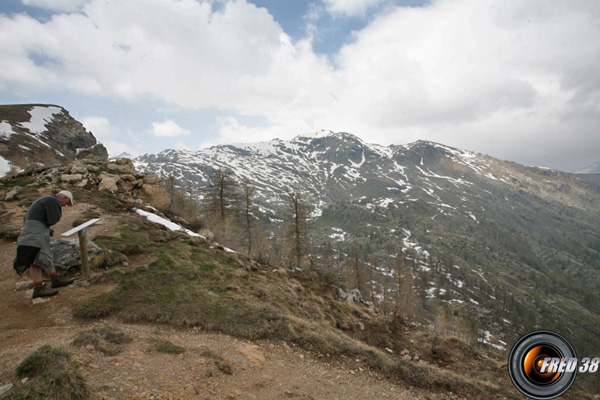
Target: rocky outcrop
[
  {"x": 118, "y": 177},
  {"x": 41, "y": 134}
]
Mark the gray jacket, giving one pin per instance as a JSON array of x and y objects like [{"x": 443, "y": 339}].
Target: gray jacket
[{"x": 37, "y": 234}]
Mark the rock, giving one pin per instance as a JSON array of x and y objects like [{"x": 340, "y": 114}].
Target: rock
[
  {"x": 67, "y": 254},
  {"x": 120, "y": 169},
  {"x": 252, "y": 353},
  {"x": 406, "y": 358},
  {"x": 108, "y": 182},
  {"x": 389, "y": 350},
  {"x": 155, "y": 194},
  {"x": 71, "y": 178},
  {"x": 126, "y": 164},
  {"x": 351, "y": 296},
  {"x": 126, "y": 185},
  {"x": 405, "y": 352},
  {"x": 79, "y": 168},
  {"x": 129, "y": 178},
  {"x": 152, "y": 180},
  {"x": 5, "y": 388},
  {"x": 40, "y": 300},
  {"x": 80, "y": 283},
  {"x": 23, "y": 285},
  {"x": 195, "y": 240},
  {"x": 207, "y": 234},
  {"x": 90, "y": 347},
  {"x": 12, "y": 194},
  {"x": 82, "y": 183}
]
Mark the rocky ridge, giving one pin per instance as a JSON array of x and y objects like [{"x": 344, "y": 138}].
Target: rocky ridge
[
  {"x": 117, "y": 177},
  {"x": 42, "y": 134}
]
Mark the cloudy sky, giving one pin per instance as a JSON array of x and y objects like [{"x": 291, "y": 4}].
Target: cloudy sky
[{"x": 518, "y": 80}]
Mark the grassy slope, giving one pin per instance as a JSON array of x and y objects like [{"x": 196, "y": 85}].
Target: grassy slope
[{"x": 191, "y": 284}]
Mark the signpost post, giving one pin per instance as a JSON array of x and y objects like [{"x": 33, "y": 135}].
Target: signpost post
[{"x": 82, "y": 233}]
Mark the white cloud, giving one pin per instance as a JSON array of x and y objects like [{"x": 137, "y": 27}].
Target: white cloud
[
  {"x": 57, "y": 5},
  {"x": 181, "y": 145},
  {"x": 350, "y": 7},
  {"x": 100, "y": 127},
  {"x": 116, "y": 148},
  {"x": 231, "y": 130},
  {"x": 469, "y": 73},
  {"x": 168, "y": 129}
]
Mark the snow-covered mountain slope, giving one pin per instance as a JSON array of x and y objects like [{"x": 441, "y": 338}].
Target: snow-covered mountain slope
[
  {"x": 513, "y": 246},
  {"x": 590, "y": 169},
  {"x": 41, "y": 134},
  {"x": 329, "y": 167}
]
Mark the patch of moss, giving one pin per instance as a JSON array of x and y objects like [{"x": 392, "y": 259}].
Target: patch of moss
[
  {"x": 52, "y": 375},
  {"x": 164, "y": 346},
  {"x": 107, "y": 339}
]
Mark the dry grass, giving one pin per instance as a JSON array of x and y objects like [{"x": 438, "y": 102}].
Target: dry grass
[
  {"x": 108, "y": 340},
  {"x": 52, "y": 375},
  {"x": 193, "y": 285}
]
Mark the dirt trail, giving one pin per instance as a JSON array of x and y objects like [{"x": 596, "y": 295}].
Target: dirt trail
[{"x": 213, "y": 366}]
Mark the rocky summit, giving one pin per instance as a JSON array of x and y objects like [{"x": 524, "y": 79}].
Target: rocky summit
[{"x": 41, "y": 134}]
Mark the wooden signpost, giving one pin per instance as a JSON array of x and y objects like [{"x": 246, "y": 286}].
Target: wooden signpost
[{"x": 82, "y": 233}]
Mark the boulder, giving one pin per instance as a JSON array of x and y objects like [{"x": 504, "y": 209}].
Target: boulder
[
  {"x": 12, "y": 194},
  {"x": 108, "y": 182},
  {"x": 79, "y": 168},
  {"x": 71, "y": 178},
  {"x": 155, "y": 195},
  {"x": 252, "y": 353},
  {"x": 207, "y": 234},
  {"x": 121, "y": 169},
  {"x": 152, "y": 180},
  {"x": 66, "y": 252},
  {"x": 127, "y": 183},
  {"x": 351, "y": 296},
  {"x": 126, "y": 164}
]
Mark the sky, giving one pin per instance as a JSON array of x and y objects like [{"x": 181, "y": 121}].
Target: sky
[{"x": 518, "y": 80}]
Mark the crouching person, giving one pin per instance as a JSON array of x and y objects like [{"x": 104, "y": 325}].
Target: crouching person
[{"x": 33, "y": 250}]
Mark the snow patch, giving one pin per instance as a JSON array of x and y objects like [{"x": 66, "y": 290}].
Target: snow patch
[
  {"x": 493, "y": 340},
  {"x": 40, "y": 116},
  {"x": 6, "y": 130},
  {"x": 172, "y": 226},
  {"x": 164, "y": 222},
  {"x": 4, "y": 167}
]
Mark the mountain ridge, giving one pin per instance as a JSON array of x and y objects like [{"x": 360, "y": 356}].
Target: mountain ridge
[{"x": 502, "y": 224}]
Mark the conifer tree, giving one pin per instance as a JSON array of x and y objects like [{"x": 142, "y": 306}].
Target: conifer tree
[
  {"x": 406, "y": 299},
  {"x": 248, "y": 220},
  {"x": 221, "y": 206},
  {"x": 296, "y": 231}
]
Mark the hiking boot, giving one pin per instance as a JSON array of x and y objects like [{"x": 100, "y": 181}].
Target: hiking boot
[
  {"x": 59, "y": 281},
  {"x": 43, "y": 291}
]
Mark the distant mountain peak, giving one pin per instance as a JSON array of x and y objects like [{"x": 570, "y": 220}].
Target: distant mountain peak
[
  {"x": 323, "y": 133},
  {"x": 590, "y": 169}
]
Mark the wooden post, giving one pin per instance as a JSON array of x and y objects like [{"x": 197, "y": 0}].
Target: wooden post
[
  {"x": 85, "y": 268},
  {"x": 82, "y": 233}
]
